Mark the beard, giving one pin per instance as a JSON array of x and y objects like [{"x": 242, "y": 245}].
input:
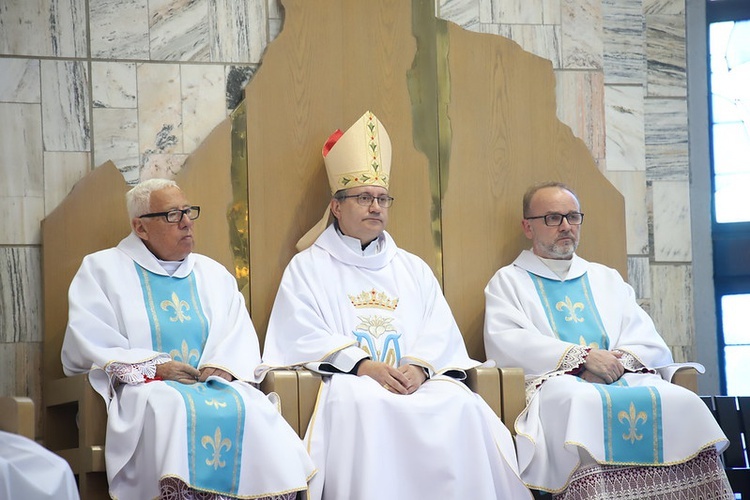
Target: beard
[{"x": 563, "y": 249}]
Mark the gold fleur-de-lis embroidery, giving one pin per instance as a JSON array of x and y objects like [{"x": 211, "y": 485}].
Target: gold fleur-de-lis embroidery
[
  {"x": 217, "y": 443},
  {"x": 178, "y": 306},
  {"x": 582, "y": 341},
  {"x": 572, "y": 308},
  {"x": 184, "y": 354},
  {"x": 216, "y": 404},
  {"x": 632, "y": 417}
]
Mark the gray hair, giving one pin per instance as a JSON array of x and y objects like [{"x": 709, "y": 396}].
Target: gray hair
[
  {"x": 536, "y": 187},
  {"x": 138, "y": 199}
]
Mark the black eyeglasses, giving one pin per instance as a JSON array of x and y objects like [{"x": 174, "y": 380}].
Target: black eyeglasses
[
  {"x": 175, "y": 216},
  {"x": 365, "y": 199},
  {"x": 573, "y": 218}
]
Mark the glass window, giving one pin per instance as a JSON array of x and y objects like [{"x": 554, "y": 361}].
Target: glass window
[
  {"x": 736, "y": 328},
  {"x": 729, "y": 54}
]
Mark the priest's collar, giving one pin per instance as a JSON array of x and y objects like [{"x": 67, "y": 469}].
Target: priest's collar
[
  {"x": 372, "y": 248},
  {"x": 558, "y": 266}
]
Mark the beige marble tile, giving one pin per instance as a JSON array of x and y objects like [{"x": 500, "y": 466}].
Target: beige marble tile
[
  {"x": 54, "y": 28},
  {"x": 465, "y": 13},
  {"x": 61, "y": 172},
  {"x": 582, "y": 34},
  {"x": 65, "y": 105},
  {"x": 22, "y": 373},
  {"x": 632, "y": 186},
  {"x": 237, "y": 78},
  {"x": 276, "y": 11},
  {"x": 666, "y": 139},
  {"x": 179, "y": 30},
  {"x": 159, "y": 109},
  {"x": 512, "y": 11},
  {"x": 21, "y": 150},
  {"x": 626, "y": 142},
  {"x": 203, "y": 102},
  {"x": 116, "y": 137},
  {"x": 21, "y": 296},
  {"x": 114, "y": 85},
  {"x": 27, "y": 212},
  {"x": 119, "y": 29},
  {"x": 20, "y": 80},
  {"x": 671, "y": 305},
  {"x": 675, "y": 7},
  {"x": 639, "y": 277},
  {"x": 238, "y": 30},
  {"x": 665, "y": 54},
  {"x": 671, "y": 214},
  {"x": 624, "y": 42},
  {"x": 540, "y": 40},
  {"x": 164, "y": 166},
  {"x": 580, "y": 106}
]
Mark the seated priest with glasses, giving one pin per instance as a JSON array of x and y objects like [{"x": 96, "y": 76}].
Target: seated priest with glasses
[
  {"x": 393, "y": 419},
  {"x": 167, "y": 341},
  {"x": 602, "y": 420}
]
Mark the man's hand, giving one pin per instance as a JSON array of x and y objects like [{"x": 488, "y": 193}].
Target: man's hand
[
  {"x": 180, "y": 372},
  {"x": 210, "y": 371},
  {"x": 604, "y": 364},
  {"x": 590, "y": 377},
  {"x": 389, "y": 377},
  {"x": 416, "y": 376}
]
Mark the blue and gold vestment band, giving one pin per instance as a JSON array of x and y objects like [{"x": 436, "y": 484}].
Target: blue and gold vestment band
[
  {"x": 632, "y": 416},
  {"x": 215, "y": 410},
  {"x": 571, "y": 310}
]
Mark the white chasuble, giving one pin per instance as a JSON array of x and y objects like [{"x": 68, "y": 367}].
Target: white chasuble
[
  {"x": 336, "y": 306},
  {"x": 218, "y": 437},
  {"x": 539, "y": 322}
]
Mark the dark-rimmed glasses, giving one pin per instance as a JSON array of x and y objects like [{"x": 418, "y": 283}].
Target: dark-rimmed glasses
[
  {"x": 366, "y": 199},
  {"x": 573, "y": 218},
  {"x": 175, "y": 216}
]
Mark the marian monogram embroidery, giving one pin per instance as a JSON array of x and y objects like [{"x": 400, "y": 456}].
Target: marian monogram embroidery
[{"x": 376, "y": 333}]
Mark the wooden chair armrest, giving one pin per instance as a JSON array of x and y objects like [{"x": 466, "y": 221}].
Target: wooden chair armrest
[
  {"x": 502, "y": 388},
  {"x": 17, "y": 416},
  {"x": 75, "y": 423},
  {"x": 486, "y": 382},
  {"x": 514, "y": 395},
  {"x": 298, "y": 393},
  {"x": 686, "y": 377}
]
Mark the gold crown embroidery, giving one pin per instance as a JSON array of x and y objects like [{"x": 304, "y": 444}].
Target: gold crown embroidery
[{"x": 375, "y": 299}]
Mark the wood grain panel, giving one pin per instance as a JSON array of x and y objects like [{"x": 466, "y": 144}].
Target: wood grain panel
[
  {"x": 333, "y": 60},
  {"x": 504, "y": 137},
  {"x": 92, "y": 217}
]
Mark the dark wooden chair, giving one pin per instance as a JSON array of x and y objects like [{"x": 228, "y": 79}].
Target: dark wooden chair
[{"x": 733, "y": 415}]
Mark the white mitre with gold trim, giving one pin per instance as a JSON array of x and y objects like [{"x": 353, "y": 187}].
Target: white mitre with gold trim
[{"x": 361, "y": 156}]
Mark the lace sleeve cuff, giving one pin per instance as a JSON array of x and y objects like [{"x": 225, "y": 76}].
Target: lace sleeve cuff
[
  {"x": 574, "y": 359},
  {"x": 631, "y": 363},
  {"x": 135, "y": 373}
]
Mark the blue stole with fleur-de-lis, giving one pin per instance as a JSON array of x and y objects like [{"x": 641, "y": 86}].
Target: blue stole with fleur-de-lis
[
  {"x": 632, "y": 424},
  {"x": 631, "y": 415},
  {"x": 571, "y": 311},
  {"x": 215, "y": 411}
]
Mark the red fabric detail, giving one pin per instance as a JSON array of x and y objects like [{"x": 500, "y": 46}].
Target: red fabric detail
[{"x": 332, "y": 139}]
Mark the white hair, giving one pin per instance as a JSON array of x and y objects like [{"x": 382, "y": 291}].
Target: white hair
[{"x": 138, "y": 198}]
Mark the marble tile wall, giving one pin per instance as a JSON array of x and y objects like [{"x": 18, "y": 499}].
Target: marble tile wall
[{"x": 142, "y": 82}]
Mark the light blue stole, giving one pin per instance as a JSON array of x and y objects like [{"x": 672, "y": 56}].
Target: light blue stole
[
  {"x": 632, "y": 415},
  {"x": 215, "y": 411}
]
